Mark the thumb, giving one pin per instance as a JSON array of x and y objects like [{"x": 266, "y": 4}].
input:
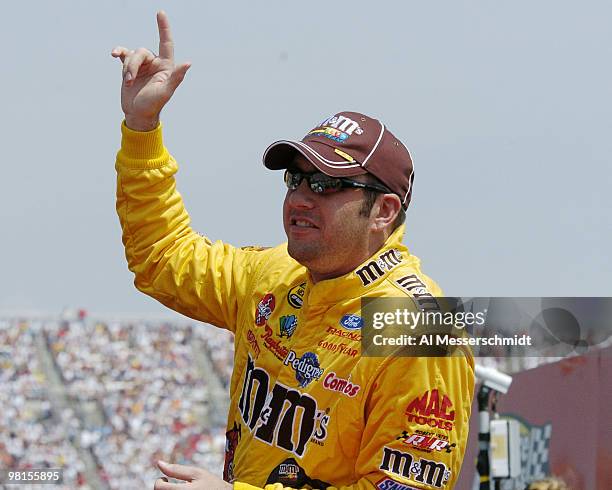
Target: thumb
[
  {"x": 178, "y": 74},
  {"x": 179, "y": 471}
]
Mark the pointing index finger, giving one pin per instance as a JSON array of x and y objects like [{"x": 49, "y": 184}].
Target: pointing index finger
[{"x": 166, "y": 45}]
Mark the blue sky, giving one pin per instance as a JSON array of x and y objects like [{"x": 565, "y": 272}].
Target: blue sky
[{"x": 505, "y": 107}]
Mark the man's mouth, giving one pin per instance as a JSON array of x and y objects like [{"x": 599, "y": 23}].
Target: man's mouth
[{"x": 302, "y": 223}]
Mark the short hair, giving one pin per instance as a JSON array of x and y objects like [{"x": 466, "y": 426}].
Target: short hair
[{"x": 370, "y": 198}]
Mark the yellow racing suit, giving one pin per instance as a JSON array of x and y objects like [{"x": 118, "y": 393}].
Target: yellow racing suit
[{"x": 307, "y": 410}]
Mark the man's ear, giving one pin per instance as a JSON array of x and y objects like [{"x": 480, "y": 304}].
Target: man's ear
[{"x": 386, "y": 209}]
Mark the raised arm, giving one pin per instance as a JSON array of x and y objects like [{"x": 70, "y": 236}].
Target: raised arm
[{"x": 171, "y": 262}]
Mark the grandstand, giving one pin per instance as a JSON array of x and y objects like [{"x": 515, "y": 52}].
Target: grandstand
[{"x": 83, "y": 395}]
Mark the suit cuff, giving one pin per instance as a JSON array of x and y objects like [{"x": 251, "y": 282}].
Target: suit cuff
[{"x": 142, "y": 149}]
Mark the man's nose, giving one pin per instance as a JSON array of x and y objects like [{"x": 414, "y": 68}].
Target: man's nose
[{"x": 302, "y": 197}]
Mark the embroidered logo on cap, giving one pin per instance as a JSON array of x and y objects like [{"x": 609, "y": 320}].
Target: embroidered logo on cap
[{"x": 337, "y": 128}]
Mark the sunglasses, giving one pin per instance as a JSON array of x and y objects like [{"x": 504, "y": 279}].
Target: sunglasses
[{"x": 321, "y": 183}]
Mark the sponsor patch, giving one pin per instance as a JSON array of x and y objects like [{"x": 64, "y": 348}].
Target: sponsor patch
[
  {"x": 338, "y": 128},
  {"x": 422, "y": 470},
  {"x": 351, "y": 322},
  {"x": 273, "y": 344},
  {"x": 375, "y": 269},
  {"x": 307, "y": 367},
  {"x": 232, "y": 438},
  {"x": 295, "y": 296},
  {"x": 264, "y": 309},
  {"x": 287, "y": 326},
  {"x": 333, "y": 382},
  {"x": 418, "y": 290},
  {"x": 290, "y": 474},
  {"x": 321, "y": 431},
  {"x": 253, "y": 343},
  {"x": 426, "y": 441},
  {"x": 389, "y": 484},
  {"x": 432, "y": 409},
  {"x": 343, "y": 349},
  {"x": 351, "y": 335},
  {"x": 279, "y": 415}
]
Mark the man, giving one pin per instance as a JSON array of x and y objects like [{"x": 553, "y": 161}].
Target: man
[{"x": 307, "y": 410}]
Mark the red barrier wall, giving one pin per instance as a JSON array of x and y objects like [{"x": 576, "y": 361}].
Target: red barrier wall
[{"x": 573, "y": 398}]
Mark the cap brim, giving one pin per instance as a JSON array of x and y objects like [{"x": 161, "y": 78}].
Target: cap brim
[{"x": 281, "y": 153}]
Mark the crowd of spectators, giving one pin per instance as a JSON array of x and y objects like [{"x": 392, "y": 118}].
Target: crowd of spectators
[
  {"x": 137, "y": 387},
  {"x": 32, "y": 434},
  {"x": 217, "y": 342}
]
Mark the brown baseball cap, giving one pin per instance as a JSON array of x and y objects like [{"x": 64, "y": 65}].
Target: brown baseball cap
[{"x": 349, "y": 144}]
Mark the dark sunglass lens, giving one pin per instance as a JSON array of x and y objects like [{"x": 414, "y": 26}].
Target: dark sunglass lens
[
  {"x": 324, "y": 184},
  {"x": 292, "y": 179}
]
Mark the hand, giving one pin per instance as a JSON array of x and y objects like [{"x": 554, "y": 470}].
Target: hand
[
  {"x": 148, "y": 80},
  {"x": 196, "y": 478}
]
